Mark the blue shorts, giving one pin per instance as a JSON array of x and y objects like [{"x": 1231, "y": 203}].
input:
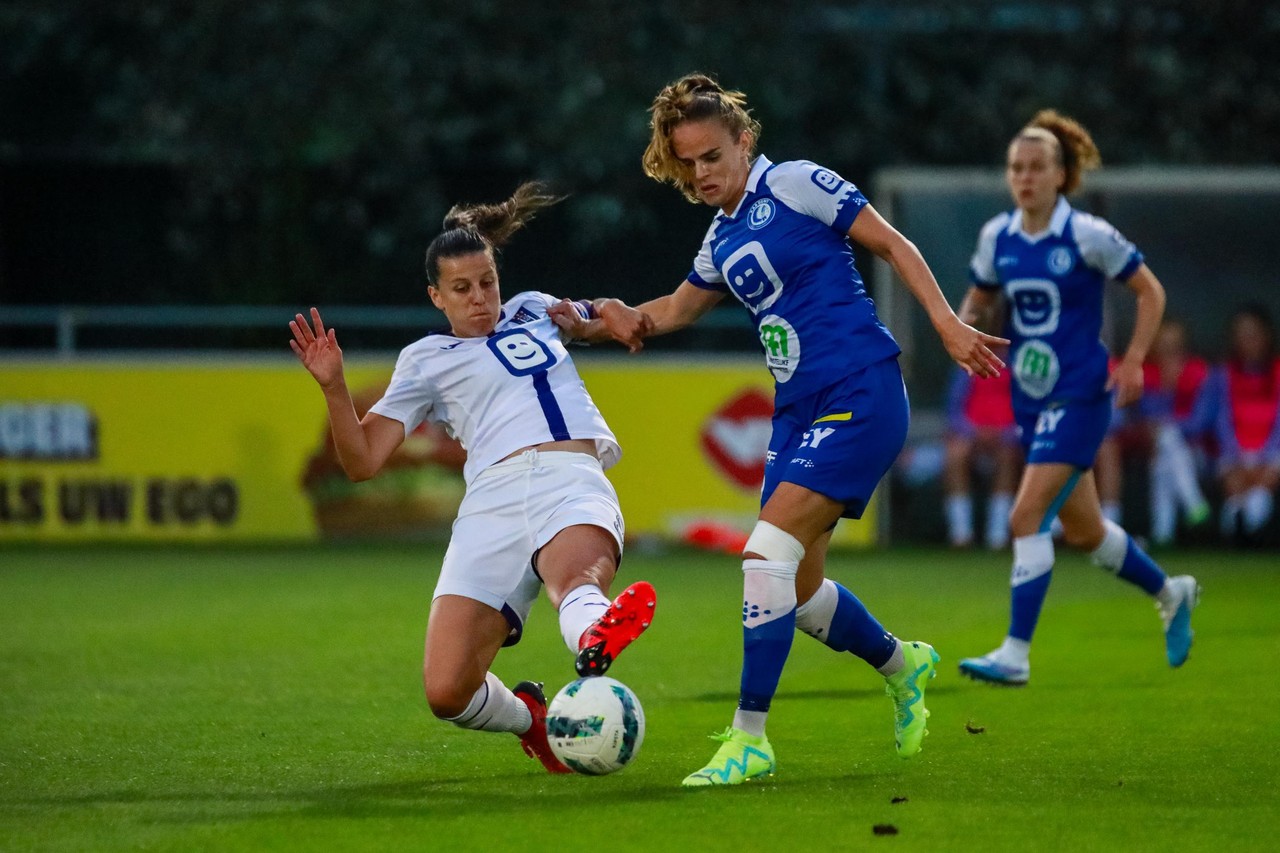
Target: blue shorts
[
  {"x": 840, "y": 441},
  {"x": 1068, "y": 432}
]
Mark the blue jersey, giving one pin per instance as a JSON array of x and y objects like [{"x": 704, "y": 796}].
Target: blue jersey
[
  {"x": 1053, "y": 282},
  {"x": 784, "y": 253}
]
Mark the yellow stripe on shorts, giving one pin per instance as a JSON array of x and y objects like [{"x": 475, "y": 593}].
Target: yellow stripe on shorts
[{"x": 838, "y": 416}]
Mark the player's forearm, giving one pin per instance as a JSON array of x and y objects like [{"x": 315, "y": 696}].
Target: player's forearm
[
  {"x": 670, "y": 314},
  {"x": 978, "y": 309},
  {"x": 349, "y": 439},
  {"x": 911, "y": 268},
  {"x": 1151, "y": 299}
]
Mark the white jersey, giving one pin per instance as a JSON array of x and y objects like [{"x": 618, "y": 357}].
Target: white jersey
[{"x": 512, "y": 389}]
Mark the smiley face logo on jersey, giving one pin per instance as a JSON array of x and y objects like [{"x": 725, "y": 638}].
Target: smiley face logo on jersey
[
  {"x": 828, "y": 181},
  {"x": 1036, "y": 306},
  {"x": 752, "y": 277},
  {"x": 760, "y": 214},
  {"x": 521, "y": 353}
]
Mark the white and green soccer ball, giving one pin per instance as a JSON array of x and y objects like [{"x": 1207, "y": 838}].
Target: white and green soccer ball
[{"x": 595, "y": 725}]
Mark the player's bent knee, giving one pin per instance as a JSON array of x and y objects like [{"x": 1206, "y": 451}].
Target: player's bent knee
[
  {"x": 774, "y": 544},
  {"x": 448, "y": 698}
]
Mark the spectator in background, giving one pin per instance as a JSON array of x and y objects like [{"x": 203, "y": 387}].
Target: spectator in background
[
  {"x": 1179, "y": 412},
  {"x": 980, "y": 431},
  {"x": 1248, "y": 429}
]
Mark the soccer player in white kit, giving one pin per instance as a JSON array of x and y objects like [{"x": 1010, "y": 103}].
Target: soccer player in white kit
[{"x": 538, "y": 509}]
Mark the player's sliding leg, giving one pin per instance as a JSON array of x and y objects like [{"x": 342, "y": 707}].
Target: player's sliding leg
[
  {"x": 463, "y": 638},
  {"x": 768, "y": 624},
  {"x": 834, "y": 616},
  {"x": 623, "y": 620},
  {"x": 577, "y": 566}
]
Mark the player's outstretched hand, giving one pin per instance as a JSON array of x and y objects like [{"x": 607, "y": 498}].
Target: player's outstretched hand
[
  {"x": 1126, "y": 380},
  {"x": 628, "y": 326},
  {"x": 565, "y": 314},
  {"x": 971, "y": 349},
  {"x": 316, "y": 348}
]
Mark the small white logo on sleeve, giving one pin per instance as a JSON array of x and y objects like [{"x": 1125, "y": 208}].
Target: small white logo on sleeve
[{"x": 828, "y": 181}]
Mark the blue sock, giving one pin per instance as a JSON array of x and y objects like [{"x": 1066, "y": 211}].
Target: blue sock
[
  {"x": 1140, "y": 570},
  {"x": 764, "y": 653},
  {"x": 1032, "y": 571},
  {"x": 768, "y": 626},
  {"x": 835, "y": 616},
  {"x": 1025, "y": 604}
]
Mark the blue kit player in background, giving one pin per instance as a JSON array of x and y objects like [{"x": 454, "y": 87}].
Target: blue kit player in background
[
  {"x": 1050, "y": 263},
  {"x": 780, "y": 244}
]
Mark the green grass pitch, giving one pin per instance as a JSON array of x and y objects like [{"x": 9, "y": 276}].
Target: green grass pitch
[{"x": 269, "y": 698}]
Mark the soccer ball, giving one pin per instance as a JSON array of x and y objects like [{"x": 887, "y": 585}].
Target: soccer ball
[{"x": 595, "y": 725}]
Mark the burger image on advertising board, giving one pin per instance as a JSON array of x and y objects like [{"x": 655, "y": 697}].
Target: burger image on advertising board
[{"x": 416, "y": 494}]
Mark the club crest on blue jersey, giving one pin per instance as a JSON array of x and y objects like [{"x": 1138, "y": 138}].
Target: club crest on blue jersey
[
  {"x": 1061, "y": 261},
  {"x": 760, "y": 214}
]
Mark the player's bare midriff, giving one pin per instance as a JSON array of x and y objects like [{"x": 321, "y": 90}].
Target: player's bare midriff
[{"x": 573, "y": 445}]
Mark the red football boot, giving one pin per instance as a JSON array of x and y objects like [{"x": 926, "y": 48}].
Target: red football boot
[
  {"x": 627, "y": 618},
  {"x": 535, "y": 741}
]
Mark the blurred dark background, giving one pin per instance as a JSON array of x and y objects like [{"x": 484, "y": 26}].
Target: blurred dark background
[{"x": 298, "y": 153}]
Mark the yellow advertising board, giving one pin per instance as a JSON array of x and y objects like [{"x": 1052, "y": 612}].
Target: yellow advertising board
[{"x": 210, "y": 450}]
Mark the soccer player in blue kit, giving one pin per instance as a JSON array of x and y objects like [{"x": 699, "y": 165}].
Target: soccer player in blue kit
[
  {"x": 1050, "y": 262},
  {"x": 780, "y": 245}
]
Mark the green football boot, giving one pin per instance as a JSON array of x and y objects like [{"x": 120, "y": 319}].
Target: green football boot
[
  {"x": 906, "y": 688},
  {"x": 741, "y": 757}
]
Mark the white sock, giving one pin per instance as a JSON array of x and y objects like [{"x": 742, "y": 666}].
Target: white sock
[
  {"x": 998, "y": 506},
  {"x": 579, "y": 610},
  {"x": 1164, "y": 507},
  {"x": 895, "y": 663},
  {"x": 1111, "y": 550},
  {"x": 1111, "y": 511},
  {"x": 1231, "y": 509},
  {"x": 959, "y": 509},
  {"x": 1166, "y": 596},
  {"x": 1258, "y": 505},
  {"x": 751, "y": 722},
  {"x": 815, "y": 615},
  {"x": 1014, "y": 651},
  {"x": 494, "y": 708}
]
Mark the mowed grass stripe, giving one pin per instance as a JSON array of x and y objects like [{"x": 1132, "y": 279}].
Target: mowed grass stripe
[{"x": 269, "y": 698}]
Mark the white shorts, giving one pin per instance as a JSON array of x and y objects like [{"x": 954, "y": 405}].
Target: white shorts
[{"x": 511, "y": 510}]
